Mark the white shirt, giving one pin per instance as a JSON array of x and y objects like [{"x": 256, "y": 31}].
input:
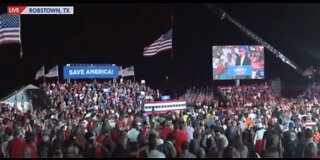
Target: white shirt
[
  {"x": 224, "y": 140},
  {"x": 156, "y": 154},
  {"x": 252, "y": 116},
  {"x": 258, "y": 136},
  {"x": 190, "y": 131},
  {"x": 241, "y": 61},
  {"x": 4, "y": 146},
  {"x": 133, "y": 135},
  {"x": 243, "y": 126}
]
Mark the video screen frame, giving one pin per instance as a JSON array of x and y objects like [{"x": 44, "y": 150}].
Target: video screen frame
[{"x": 231, "y": 62}]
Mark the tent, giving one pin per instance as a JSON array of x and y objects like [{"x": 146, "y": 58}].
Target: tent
[{"x": 21, "y": 98}]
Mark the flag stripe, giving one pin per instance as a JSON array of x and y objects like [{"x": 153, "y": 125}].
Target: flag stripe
[
  {"x": 9, "y": 29},
  {"x": 10, "y": 42},
  {"x": 10, "y": 33},
  {"x": 10, "y": 38},
  {"x": 156, "y": 50},
  {"x": 159, "y": 50},
  {"x": 159, "y": 45}
]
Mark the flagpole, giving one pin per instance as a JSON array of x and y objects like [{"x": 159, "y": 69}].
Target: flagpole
[
  {"x": 134, "y": 75},
  {"x": 44, "y": 75},
  {"x": 58, "y": 73},
  {"x": 21, "y": 53},
  {"x": 172, "y": 22}
]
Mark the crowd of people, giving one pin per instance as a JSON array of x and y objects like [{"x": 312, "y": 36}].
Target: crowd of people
[
  {"x": 200, "y": 96},
  {"x": 106, "y": 120}
]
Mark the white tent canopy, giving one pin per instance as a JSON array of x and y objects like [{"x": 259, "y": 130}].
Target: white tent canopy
[{"x": 19, "y": 98}]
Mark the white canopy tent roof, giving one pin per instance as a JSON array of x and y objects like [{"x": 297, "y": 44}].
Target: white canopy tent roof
[{"x": 19, "y": 98}]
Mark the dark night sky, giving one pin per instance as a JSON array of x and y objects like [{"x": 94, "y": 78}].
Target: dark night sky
[{"x": 117, "y": 33}]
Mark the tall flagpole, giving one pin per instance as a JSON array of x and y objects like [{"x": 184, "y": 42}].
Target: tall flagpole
[
  {"x": 21, "y": 53},
  {"x": 134, "y": 75},
  {"x": 44, "y": 75},
  {"x": 58, "y": 73},
  {"x": 172, "y": 24}
]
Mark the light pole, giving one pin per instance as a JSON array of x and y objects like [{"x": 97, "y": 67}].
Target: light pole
[{"x": 167, "y": 85}]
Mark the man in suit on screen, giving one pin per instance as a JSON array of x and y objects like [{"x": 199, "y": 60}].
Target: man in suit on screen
[{"x": 243, "y": 59}]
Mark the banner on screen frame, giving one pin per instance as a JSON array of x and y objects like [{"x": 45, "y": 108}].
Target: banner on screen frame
[{"x": 240, "y": 70}]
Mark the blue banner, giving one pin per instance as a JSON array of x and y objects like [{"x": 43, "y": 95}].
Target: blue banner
[
  {"x": 90, "y": 72},
  {"x": 245, "y": 70},
  {"x": 165, "y": 98}
]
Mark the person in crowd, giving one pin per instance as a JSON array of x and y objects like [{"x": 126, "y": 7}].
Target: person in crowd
[
  {"x": 27, "y": 153},
  {"x": 290, "y": 142},
  {"x": 258, "y": 138},
  {"x": 168, "y": 128},
  {"x": 195, "y": 143},
  {"x": 309, "y": 123},
  {"x": 17, "y": 145},
  {"x": 222, "y": 138},
  {"x": 316, "y": 135},
  {"x": 153, "y": 151},
  {"x": 121, "y": 150},
  {"x": 72, "y": 151},
  {"x": 31, "y": 145},
  {"x": 168, "y": 147},
  {"x": 232, "y": 132},
  {"x": 185, "y": 151},
  {"x": 180, "y": 135},
  {"x": 240, "y": 149},
  {"x": 8, "y": 136},
  {"x": 310, "y": 147},
  {"x": 272, "y": 142},
  {"x": 247, "y": 141},
  {"x": 189, "y": 128},
  {"x": 133, "y": 133},
  {"x": 300, "y": 145}
]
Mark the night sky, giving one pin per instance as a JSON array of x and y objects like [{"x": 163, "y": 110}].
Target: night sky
[{"x": 117, "y": 33}]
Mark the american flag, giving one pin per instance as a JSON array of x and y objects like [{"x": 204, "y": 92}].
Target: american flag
[
  {"x": 129, "y": 71},
  {"x": 53, "y": 72},
  {"x": 40, "y": 73},
  {"x": 161, "y": 44},
  {"x": 9, "y": 29}
]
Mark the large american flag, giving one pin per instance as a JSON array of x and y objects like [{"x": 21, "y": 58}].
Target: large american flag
[
  {"x": 9, "y": 29},
  {"x": 161, "y": 44}
]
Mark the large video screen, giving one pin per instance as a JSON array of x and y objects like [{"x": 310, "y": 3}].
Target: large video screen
[{"x": 238, "y": 62}]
